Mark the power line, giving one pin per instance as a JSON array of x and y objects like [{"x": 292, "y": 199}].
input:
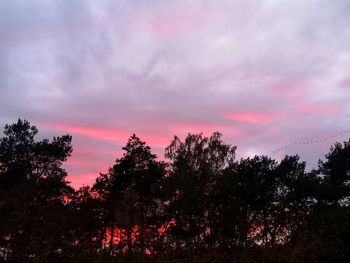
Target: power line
[{"x": 314, "y": 141}]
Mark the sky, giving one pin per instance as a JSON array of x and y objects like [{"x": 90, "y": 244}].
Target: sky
[{"x": 264, "y": 73}]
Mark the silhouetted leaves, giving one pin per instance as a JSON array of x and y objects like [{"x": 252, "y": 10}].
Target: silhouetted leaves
[
  {"x": 202, "y": 206},
  {"x": 32, "y": 191}
]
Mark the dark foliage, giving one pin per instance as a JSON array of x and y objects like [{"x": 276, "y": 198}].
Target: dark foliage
[{"x": 201, "y": 206}]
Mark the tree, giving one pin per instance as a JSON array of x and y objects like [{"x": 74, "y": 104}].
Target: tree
[
  {"x": 334, "y": 173},
  {"x": 197, "y": 165},
  {"x": 256, "y": 187},
  {"x": 323, "y": 237},
  {"x": 291, "y": 201},
  {"x": 324, "y": 233},
  {"x": 130, "y": 192},
  {"x": 32, "y": 191},
  {"x": 261, "y": 201}
]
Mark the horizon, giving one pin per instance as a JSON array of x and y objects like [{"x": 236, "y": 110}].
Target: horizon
[{"x": 278, "y": 153}]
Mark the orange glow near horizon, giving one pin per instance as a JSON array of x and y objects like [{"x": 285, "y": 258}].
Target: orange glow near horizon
[{"x": 120, "y": 235}]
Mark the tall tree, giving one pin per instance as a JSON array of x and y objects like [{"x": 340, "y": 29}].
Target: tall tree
[
  {"x": 256, "y": 188},
  {"x": 130, "y": 192},
  {"x": 32, "y": 191},
  {"x": 290, "y": 202},
  {"x": 197, "y": 164}
]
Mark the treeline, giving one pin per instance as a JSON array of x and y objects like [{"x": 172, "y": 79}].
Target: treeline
[{"x": 202, "y": 205}]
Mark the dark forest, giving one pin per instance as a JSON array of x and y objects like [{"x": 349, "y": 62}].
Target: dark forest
[{"x": 200, "y": 205}]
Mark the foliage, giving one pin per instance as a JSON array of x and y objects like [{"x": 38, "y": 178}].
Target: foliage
[
  {"x": 203, "y": 205},
  {"x": 32, "y": 190}
]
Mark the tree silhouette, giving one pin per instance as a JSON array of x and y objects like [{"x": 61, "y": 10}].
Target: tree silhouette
[
  {"x": 335, "y": 175},
  {"x": 202, "y": 206},
  {"x": 32, "y": 191},
  {"x": 130, "y": 192},
  {"x": 197, "y": 165}
]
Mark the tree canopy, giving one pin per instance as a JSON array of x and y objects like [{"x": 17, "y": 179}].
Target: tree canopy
[{"x": 199, "y": 205}]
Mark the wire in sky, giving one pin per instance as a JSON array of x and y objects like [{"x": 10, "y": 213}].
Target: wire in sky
[{"x": 314, "y": 141}]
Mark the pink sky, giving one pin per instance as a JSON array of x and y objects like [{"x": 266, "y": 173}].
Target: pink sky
[{"x": 265, "y": 73}]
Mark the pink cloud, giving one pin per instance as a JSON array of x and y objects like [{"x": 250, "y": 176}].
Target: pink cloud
[
  {"x": 175, "y": 24},
  {"x": 109, "y": 134},
  {"x": 96, "y": 133},
  {"x": 78, "y": 180},
  {"x": 319, "y": 108},
  {"x": 89, "y": 159},
  {"x": 195, "y": 127},
  {"x": 172, "y": 27},
  {"x": 182, "y": 128},
  {"x": 253, "y": 117},
  {"x": 85, "y": 149},
  {"x": 155, "y": 140}
]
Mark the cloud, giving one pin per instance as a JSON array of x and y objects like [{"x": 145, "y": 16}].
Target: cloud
[
  {"x": 319, "y": 109},
  {"x": 255, "y": 118},
  {"x": 92, "y": 132},
  {"x": 264, "y": 73},
  {"x": 79, "y": 180}
]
